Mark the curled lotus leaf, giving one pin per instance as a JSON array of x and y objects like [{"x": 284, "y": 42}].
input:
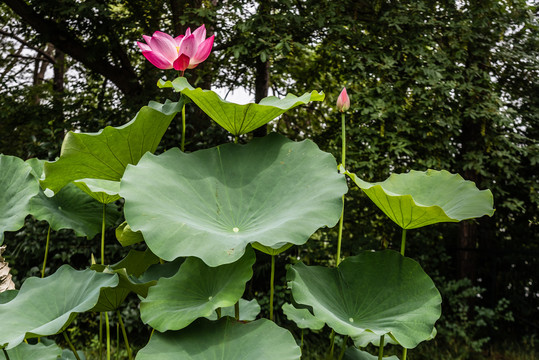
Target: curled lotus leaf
[
  {"x": 421, "y": 198},
  {"x": 105, "y": 154},
  {"x": 17, "y": 186},
  {"x": 47, "y": 306},
  {"x": 382, "y": 292},
  {"x": 128, "y": 270},
  {"x": 126, "y": 236},
  {"x": 213, "y": 203},
  {"x": 235, "y": 118},
  {"x": 225, "y": 339}
]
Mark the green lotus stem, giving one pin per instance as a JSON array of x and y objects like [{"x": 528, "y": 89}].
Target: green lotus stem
[
  {"x": 404, "y": 352},
  {"x": 343, "y": 349},
  {"x": 117, "y": 341},
  {"x": 237, "y": 310},
  {"x": 381, "y": 348},
  {"x": 5, "y": 353},
  {"x": 108, "y": 334},
  {"x": 343, "y": 135},
  {"x": 100, "y": 336},
  {"x": 103, "y": 236},
  {"x": 301, "y": 344},
  {"x": 124, "y": 333},
  {"x": 235, "y": 139},
  {"x": 218, "y": 311},
  {"x": 46, "y": 252},
  {"x": 343, "y": 162},
  {"x": 182, "y": 145},
  {"x": 70, "y": 344},
  {"x": 331, "y": 344},
  {"x": 272, "y": 279},
  {"x": 403, "y": 241}
]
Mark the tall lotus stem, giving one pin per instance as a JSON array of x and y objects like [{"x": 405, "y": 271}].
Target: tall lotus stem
[
  {"x": 46, "y": 252},
  {"x": 403, "y": 241},
  {"x": 6, "y": 355},
  {"x": 237, "y": 310},
  {"x": 343, "y": 349},
  {"x": 124, "y": 333},
  {"x": 103, "y": 235},
  {"x": 343, "y": 103},
  {"x": 108, "y": 334},
  {"x": 381, "y": 348},
  {"x": 70, "y": 344},
  {"x": 272, "y": 279},
  {"x": 182, "y": 145},
  {"x": 404, "y": 352}
]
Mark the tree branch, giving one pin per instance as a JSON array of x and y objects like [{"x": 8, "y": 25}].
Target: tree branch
[
  {"x": 25, "y": 43},
  {"x": 64, "y": 40}
]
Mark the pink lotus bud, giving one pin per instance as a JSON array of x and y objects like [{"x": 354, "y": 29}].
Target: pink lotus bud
[
  {"x": 181, "y": 53},
  {"x": 343, "y": 101}
]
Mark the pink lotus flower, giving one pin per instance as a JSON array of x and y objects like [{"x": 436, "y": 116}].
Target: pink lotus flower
[
  {"x": 343, "y": 101},
  {"x": 181, "y": 53}
]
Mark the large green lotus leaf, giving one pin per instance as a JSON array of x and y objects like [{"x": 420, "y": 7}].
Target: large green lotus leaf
[
  {"x": 353, "y": 353},
  {"x": 47, "y": 306},
  {"x": 235, "y": 118},
  {"x": 104, "y": 191},
  {"x": 212, "y": 203},
  {"x": 302, "y": 317},
  {"x": 421, "y": 198},
  {"x": 225, "y": 339},
  {"x": 70, "y": 208},
  {"x": 128, "y": 269},
  {"x": 17, "y": 186},
  {"x": 249, "y": 310},
  {"x": 197, "y": 290},
  {"x": 105, "y": 154},
  {"x": 38, "y": 351},
  {"x": 383, "y": 292}
]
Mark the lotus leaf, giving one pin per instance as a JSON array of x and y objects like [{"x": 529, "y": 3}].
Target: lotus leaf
[
  {"x": 105, "y": 154},
  {"x": 197, "y": 290},
  {"x": 249, "y": 310},
  {"x": 302, "y": 317},
  {"x": 47, "y": 306},
  {"x": 225, "y": 339},
  {"x": 235, "y": 118},
  {"x": 38, "y": 351},
  {"x": 353, "y": 353},
  {"x": 17, "y": 186},
  {"x": 128, "y": 269},
  {"x": 126, "y": 236},
  {"x": 212, "y": 203},
  {"x": 383, "y": 292},
  {"x": 104, "y": 191},
  {"x": 421, "y": 198}
]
